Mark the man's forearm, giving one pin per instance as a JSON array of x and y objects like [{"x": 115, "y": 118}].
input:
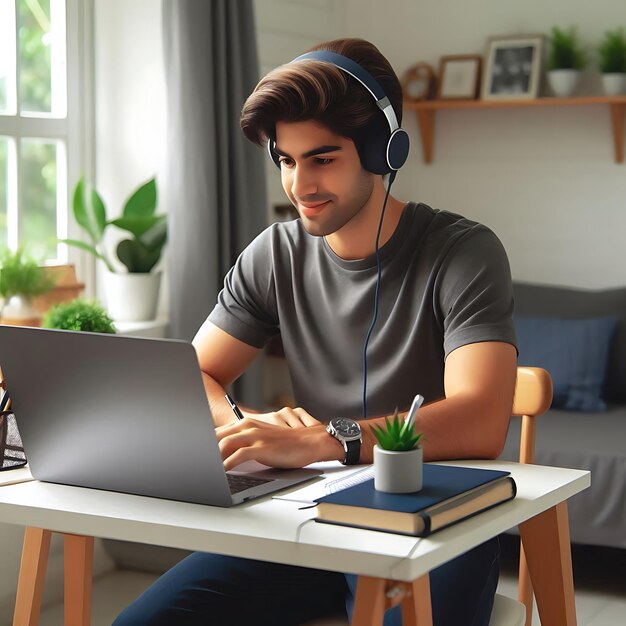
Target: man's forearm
[
  {"x": 221, "y": 411},
  {"x": 454, "y": 428}
]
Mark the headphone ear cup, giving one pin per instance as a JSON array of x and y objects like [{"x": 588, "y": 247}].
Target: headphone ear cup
[
  {"x": 371, "y": 144},
  {"x": 270, "y": 149},
  {"x": 397, "y": 149}
]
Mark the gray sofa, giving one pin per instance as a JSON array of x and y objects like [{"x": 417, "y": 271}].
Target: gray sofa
[{"x": 592, "y": 441}]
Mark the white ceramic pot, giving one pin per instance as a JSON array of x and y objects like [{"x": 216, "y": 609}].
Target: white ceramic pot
[
  {"x": 398, "y": 472},
  {"x": 20, "y": 311},
  {"x": 563, "y": 82},
  {"x": 614, "y": 83},
  {"x": 132, "y": 297}
]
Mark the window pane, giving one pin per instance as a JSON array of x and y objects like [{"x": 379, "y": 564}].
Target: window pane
[
  {"x": 7, "y": 57},
  {"x": 38, "y": 197},
  {"x": 4, "y": 191},
  {"x": 42, "y": 68}
]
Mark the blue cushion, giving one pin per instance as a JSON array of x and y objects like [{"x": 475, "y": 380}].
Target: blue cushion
[{"x": 575, "y": 352}]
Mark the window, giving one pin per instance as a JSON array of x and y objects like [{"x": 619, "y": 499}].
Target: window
[{"x": 41, "y": 54}]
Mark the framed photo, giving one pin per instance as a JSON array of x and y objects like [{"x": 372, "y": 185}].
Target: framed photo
[
  {"x": 459, "y": 77},
  {"x": 418, "y": 82},
  {"x": 513, "y": 68}
]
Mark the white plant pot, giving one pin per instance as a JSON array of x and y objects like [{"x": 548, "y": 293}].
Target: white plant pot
[
  {"x": 398, "y": 472},
  {"x": 614, "y": 83},
  {"x": 132, "y": 297},
  {"x": 20, "y": 310},
  {"x": 563, "y": 82}
]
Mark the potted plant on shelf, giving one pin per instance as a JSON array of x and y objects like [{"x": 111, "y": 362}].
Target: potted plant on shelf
[
  {"x": 612, "y": 57},
  {"x": 79, "y": 314},
  {"x": 398, "y": 457},
  {"x": 566, "y": 59},
  {"x": 21, "y": 279},
  {"x": 131, "y": 295}
]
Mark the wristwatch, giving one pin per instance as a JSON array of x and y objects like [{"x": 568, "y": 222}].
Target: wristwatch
[{"x": 348, "y": 432}]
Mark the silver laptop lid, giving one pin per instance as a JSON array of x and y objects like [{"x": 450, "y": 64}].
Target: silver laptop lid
[{"x": 112, "y": 412}]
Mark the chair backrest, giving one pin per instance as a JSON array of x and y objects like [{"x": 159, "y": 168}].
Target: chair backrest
[{"x": 533, "y": 397}]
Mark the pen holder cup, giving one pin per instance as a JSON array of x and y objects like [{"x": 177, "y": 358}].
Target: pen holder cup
[
  {"x": 398, "y": 472},
  {"x": 11, "y": 449}
]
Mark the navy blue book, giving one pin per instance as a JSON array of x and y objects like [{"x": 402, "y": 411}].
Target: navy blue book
[{"x": 449, "y": 494}]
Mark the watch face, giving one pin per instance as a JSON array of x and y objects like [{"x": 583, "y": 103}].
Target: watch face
[{"x": 346, "y": 427}]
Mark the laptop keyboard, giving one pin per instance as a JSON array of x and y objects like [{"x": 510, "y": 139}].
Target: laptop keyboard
[{"x": 238, "y": 482}]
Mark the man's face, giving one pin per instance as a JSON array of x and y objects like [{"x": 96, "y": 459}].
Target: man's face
[{"x": 322, "y": 175}]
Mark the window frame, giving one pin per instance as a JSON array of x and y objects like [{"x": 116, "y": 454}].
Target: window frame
[{"x": 76, "y": 130}]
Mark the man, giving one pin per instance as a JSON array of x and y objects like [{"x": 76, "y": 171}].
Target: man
[{"x": 444, "y": 330}]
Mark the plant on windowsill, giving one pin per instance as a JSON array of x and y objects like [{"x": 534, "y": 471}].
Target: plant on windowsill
[
  {"x": 566, "y": 59},
  {"x": 398, "y": 456},
  {"x": 79, "y": 314},
  {"x": 132, "y": 295},
  {"x": 612, "y": 61},
  {"x": 21, "y": 279}
]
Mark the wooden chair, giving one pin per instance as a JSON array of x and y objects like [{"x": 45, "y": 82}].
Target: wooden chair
[{"x": 533, "y": 396}]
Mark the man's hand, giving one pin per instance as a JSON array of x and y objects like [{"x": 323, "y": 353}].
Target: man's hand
[
  {"x": 286, "y": 417},
  {"x": 275, "y": 445}
]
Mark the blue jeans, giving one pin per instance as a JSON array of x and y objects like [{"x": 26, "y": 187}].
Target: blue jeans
[{"x": 209, "y": 589}]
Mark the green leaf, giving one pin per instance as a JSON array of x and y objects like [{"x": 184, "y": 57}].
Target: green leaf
[
  {"x": 89, "y": 211},
  {"x": 156, "y": 236},
  {"x": 142, "y": 203},
  {"x": 88, "y": 248},
  {"x": 137, "y": 258},
  {"x": 137, "y": 225}
]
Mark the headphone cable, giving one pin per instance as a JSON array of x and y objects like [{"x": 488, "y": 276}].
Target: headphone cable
[{"x": 392, "y": 177}]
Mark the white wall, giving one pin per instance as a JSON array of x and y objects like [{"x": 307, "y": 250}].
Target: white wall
[
  {"x": 129, "y": 101},
  {"x": 544, "y": 179}
]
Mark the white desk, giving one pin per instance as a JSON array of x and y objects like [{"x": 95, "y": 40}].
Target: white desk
[{"x": 274, "y": 529}]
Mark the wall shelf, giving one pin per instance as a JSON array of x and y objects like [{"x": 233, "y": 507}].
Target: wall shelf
[{"x": 426, "y": 112}]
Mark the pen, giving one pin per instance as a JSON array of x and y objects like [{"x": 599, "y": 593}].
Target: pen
[
  {"x": 234, "y": 407},
  {"x": 417, "y": 403}
]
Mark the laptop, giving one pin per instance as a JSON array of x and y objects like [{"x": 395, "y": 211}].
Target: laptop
[{"x": 123, "y": 414}]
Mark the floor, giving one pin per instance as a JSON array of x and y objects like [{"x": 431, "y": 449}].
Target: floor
[{"x": 599, "y": 579}]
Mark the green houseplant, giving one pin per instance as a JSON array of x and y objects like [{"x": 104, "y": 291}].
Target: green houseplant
[
  {"x": 612, "y": 61},
  {"x": 79, "y": 314},
  {"x": 21, "y": 279},
  {"x": 131, "y": 295},
  {"x": 566, "y": 58},
  {"x": 398, "y": 456}
]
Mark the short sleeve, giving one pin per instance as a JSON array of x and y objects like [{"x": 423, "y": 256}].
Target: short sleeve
[
  {"x": 475, "y": 293},
  {"x": 246, "y": 306}
]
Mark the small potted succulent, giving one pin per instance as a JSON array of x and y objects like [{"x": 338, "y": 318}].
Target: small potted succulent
[
  {"x": 566, "y": 59},
  {"x": 131, "y": 295},
  {"x": 612, "y": 61},
  {"x": 21, "y": 280},
  {"x": 79, "y": 314},
  {"x": 398, "y": 456}
]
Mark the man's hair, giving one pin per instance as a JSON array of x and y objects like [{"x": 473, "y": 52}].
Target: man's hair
[{"x": 319, "y": 91}]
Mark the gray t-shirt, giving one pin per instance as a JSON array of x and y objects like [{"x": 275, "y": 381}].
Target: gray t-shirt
[{"x": 445, "y": 283}]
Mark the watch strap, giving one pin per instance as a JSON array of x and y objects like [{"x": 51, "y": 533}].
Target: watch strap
[{"x": 353, "y": 452}]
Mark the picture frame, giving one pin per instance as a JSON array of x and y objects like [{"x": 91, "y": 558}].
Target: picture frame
[
  {"x": 418, "y": 82},
  {"x": 459, "y": 77},
  {"x": 512, "y": 68}
]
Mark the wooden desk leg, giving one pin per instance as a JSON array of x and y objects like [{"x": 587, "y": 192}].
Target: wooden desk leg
[
  {"x": 416, "y": 606},
  {"x": 547, "y": 547},
  {"x": 369, "y": 602},
  {"x": 375, "y": 595},
  {"x": 32, "y": 575},
  {"x": 78, "y": 554}
]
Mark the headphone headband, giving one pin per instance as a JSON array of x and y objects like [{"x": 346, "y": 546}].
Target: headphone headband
[{"x": 381, "y": 152}]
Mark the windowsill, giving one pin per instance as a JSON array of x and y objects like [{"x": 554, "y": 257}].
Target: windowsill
[{"x": 157, "y": 328}]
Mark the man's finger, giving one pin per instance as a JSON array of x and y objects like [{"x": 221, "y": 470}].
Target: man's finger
[
  {"x": 306, "y": 418},
  {"x": 237, "y": 458}
]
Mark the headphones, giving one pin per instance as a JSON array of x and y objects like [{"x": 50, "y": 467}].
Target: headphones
[{"x": 383, "y": 146}]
